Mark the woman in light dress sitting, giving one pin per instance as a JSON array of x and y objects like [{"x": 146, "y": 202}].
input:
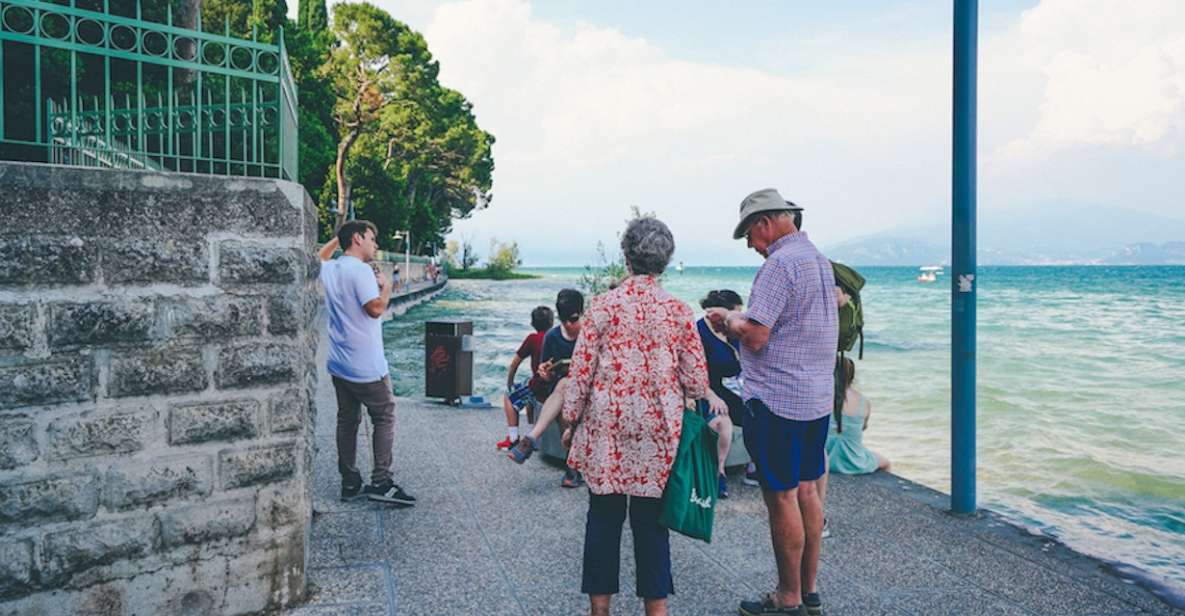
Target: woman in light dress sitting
[{"x": 846, "y": 452}]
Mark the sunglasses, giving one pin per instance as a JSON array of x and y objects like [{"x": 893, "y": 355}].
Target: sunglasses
[
  {"x": 756, "y": 220},
  {"x": 572, "y": 319}
]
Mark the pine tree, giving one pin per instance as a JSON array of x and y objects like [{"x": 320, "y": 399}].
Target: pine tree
[
  {"x": 267, "y": 16},
  {"x": 313, "y": 15}
]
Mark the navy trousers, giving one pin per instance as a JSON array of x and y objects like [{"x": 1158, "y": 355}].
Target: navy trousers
[{"x": 602, "y": 546}]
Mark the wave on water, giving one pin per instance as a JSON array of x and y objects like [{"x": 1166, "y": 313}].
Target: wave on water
[{"x": 875, "y": 343}]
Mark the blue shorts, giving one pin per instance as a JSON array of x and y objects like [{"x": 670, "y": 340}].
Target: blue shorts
[
  {"x": 785, "y": 451},
  {"x": 521, "y": 396}
]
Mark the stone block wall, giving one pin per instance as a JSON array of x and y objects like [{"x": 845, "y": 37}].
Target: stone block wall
[{"x": 157, "y": 348}]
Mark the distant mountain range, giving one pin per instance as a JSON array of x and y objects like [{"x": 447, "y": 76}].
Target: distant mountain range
[{"x": 1052, "y": 235}]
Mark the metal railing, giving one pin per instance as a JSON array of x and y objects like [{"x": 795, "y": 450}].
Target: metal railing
[{"x": 90, "y": 88}]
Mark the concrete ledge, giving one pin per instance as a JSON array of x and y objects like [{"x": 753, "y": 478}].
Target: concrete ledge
[{"x": 417, "y": 294}]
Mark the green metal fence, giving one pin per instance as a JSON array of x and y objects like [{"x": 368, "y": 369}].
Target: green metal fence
[{"x": 93, "y": 88}]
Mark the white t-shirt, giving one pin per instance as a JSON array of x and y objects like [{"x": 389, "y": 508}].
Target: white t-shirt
[{"x": 355, "y": 338}]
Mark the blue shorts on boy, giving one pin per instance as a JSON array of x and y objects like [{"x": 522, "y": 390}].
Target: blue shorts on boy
[
  {"x": 785, "y": 451},
  {"x": 520, "y": 396}
]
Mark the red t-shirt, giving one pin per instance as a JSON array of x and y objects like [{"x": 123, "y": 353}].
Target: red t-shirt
[{"x": 533, "y": 346}]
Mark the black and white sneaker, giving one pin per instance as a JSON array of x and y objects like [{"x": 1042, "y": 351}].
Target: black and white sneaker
[
  {"x": 350, "y": 493},
  {"x": 351, "y": 490},
  {"x": 389, "y": 493}
]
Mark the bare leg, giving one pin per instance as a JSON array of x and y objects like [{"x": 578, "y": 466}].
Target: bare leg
[
  {"x": 785, "y": 528},
  {"x": 551, "y": 409},
  {"x": 598, "y": 605},
  {"x": 812, "y": 522},
  {"x": 722, "y": 426},
  {"x": 655, "y": 607},
  {"x": 511, "y": 414},
  {"x": 823, "y": 480},
  {"x": 882, "y": 463}
]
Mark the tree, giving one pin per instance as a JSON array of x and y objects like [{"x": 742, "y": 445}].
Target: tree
[
  {"x": 377, "y": 130},
  {"x": 411, "y": 149},
  {"x": 451, "y": 248},
  {"x": 503, "y": 257},
  {"x": 376, "y": 61},
  {"x": 308, "y": 49},
  {"x": 266, "y": 16},
  {"x": 607, "y": 272},
  {"x": 604, "y": 274},
  {"x": 312, "y": 15},
  {"x": 469, "y": 256}
]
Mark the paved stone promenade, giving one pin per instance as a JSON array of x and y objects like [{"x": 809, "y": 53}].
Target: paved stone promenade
[{"x": 490, "y": 537}]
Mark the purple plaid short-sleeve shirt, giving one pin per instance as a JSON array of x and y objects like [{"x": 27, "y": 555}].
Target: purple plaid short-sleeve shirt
[{"x": 794, "y": 296}]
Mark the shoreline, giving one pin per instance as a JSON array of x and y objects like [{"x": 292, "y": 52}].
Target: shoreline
[
  {"x": 399, "y": 304},
  {"x": 1011, "y": 532}
]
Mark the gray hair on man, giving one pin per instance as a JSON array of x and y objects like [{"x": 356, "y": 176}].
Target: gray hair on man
[{"x": 647, "y": 245}]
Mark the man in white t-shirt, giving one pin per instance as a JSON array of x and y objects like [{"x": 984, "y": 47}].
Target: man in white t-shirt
[{"x": 355, "y": 297}]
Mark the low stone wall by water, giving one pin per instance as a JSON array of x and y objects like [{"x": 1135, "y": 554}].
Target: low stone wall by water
[{"x": 156, "y": 372}]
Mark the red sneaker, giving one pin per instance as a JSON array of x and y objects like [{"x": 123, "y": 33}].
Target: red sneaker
[{"x": 505, "y": 444}]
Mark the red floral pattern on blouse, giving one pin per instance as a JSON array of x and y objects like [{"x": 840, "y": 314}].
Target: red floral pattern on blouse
[{"x": 637, "y": 355}]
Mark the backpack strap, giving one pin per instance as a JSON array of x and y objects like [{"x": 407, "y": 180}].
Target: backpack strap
[{"x": 840, "y": 394}]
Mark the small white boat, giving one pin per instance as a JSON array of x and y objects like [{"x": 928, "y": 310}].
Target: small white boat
[{"x": 930, "y": 273}]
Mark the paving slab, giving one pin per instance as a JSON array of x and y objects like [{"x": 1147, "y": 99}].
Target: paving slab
[{"x": 491, "y": 537}]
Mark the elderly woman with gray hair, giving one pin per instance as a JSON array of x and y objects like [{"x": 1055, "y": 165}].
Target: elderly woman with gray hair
[{"x": 638, "y": 358}]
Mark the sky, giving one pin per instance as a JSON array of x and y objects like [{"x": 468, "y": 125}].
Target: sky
[{"x": 682, "y": 108}]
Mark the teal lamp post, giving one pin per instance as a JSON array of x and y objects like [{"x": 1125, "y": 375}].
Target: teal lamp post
[{"x": 963, "y": 259}]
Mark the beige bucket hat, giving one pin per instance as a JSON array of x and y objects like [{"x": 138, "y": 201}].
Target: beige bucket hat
[{"x": 764, "y": 200}]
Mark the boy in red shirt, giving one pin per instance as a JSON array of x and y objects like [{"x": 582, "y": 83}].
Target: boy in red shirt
[{"x": 527, "y": 393}]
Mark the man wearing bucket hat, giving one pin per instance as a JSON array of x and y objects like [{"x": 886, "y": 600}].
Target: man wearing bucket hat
[{"x": 788, "y": 337}]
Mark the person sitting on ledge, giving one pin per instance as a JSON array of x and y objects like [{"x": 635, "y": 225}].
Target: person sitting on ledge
[
  {"x": 553, "y": 371},
  {"x": 527, "y": 394},
  {"x": 724, "y": 372},
  {"x": 846, "y": 452}
]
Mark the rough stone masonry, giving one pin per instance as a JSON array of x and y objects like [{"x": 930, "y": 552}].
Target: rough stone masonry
[{"x": 156, "y": 377}]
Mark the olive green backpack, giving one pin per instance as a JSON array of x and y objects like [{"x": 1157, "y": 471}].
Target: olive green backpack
[{"x": 851, "y": 329}]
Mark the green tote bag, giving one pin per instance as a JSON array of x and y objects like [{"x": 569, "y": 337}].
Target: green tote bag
[{"x": 689, "y": 500}]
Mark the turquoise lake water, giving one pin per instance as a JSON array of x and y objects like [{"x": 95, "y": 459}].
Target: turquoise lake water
[{"x": 1081, "y": 399}]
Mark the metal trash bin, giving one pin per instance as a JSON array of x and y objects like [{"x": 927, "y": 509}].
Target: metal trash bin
[{"x": 448, "y": 359}]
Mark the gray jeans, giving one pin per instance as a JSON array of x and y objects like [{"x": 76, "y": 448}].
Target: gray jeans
[{"x": 380, "y": 404}]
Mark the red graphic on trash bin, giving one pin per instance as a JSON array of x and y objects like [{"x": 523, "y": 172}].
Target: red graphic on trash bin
[{"x": 438, "y": 361}]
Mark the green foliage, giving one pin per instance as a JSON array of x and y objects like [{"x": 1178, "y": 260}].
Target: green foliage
[
  {"x": 409, "y": 149},
  {"x": 607, "y": 272},
  {"x": 307, "y": 51},
  {"x": 469, "y": 256},
  {"x": 487, "y": 273},
  {"x": 266, "y": 16},
  {"x": 503, "y": 257},
  {"x": 367, "y": 84},
  {"x": 604, "y": 274},
  {"x": 451, "y": 257},
  {"x": 312, "y": 15}
]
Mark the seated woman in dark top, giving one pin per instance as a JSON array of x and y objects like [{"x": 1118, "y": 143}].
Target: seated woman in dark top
[{"x": 724, "y": 371}]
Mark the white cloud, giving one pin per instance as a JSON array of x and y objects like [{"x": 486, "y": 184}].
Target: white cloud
[
  {"x": 1114, "y": 74},
  {"x": 591, "y": 121},
  {"x": 1081, "y": 101}
]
